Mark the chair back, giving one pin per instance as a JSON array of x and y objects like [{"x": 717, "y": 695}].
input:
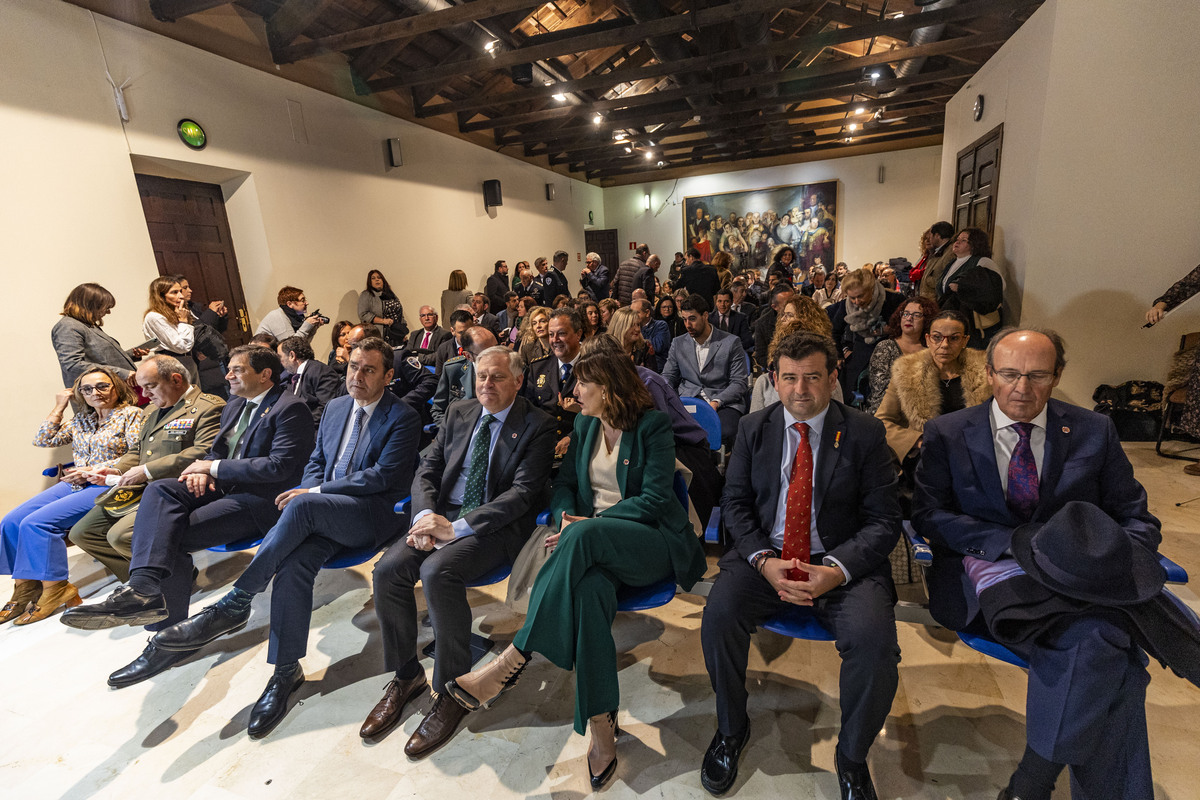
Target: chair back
[{"x": 706, "y": 417}]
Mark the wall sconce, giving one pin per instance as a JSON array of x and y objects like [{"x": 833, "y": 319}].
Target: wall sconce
[{"x": 646, "y": 201}]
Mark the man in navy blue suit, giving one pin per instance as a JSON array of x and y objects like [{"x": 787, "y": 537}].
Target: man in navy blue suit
[
  {"x": 362, "y": 466},
  {"x": 265, "y": 438},
  {"x": 1019, "y": 459},
  {"x": 807, "y": 469}
]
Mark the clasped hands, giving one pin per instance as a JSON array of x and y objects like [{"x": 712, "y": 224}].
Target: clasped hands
[
  {"x": 552, "y": 539},
  {"x": 430, "y": 529},
  {"x": 820, "y": 580},
  {"x": 196, "y": 476}
]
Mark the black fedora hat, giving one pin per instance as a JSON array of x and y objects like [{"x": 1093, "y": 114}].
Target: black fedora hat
[{"x": 1082, "y": 552}]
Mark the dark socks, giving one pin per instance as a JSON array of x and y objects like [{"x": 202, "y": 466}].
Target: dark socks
[
  {"x": 286, "y": 669},
  {"x": 146, "y": 581},
  {"x": 1035, "y": 777},
  {"x": 237, "y": 601},
  {"x": 409, "y": 671}
]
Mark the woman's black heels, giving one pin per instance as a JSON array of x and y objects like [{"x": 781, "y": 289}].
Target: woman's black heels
[{"x": 598, "y": 781}]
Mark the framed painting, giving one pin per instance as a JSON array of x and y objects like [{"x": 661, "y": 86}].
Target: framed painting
[{"x": 751, "y": 225}]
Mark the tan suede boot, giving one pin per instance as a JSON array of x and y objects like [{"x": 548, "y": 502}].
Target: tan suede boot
[
  {"x": 24, "y": 592},
  {"x": 479, "y": 689}
]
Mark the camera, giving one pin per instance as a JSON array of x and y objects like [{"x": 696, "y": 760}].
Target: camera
[{"x": 324, "y": 320}]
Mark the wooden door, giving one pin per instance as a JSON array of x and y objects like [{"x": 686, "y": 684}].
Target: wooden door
[
  {"x": 604, "y": 244},
  {"x": 978, "y": 183},
  {"x": 190, "y": 235}
]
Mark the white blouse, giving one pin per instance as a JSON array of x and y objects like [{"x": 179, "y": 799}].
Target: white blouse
[
  {"x": 602, "y": 471},
  {"x": 176, "y": 337}
]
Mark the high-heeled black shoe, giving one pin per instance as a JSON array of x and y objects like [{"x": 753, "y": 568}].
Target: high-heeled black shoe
[{"x": 606, "y": 774}]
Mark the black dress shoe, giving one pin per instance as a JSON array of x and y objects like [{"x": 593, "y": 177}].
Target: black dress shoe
[
  {"x": 438, "y": 726},
  {"x": 272, "y": 706},
  {"x": 198, "y": 630},
  {"x": 122, "y": 607},
  {"x": 1005, "y": 794},
  {"x": 854, "y": 781},
  {"x": 151, "y": 662},
  {"x": 719, "y": 770}
]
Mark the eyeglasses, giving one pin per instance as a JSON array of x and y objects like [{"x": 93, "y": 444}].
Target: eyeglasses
[
  {"x": 1034, "y": 378},
  {"x": 99, "y": 388},
  {"x": 953, "y": 338},
  {"x": 912, "y": 315}
]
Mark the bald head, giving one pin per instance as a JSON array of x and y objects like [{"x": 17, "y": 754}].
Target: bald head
[{"x": 476, "y": 339}]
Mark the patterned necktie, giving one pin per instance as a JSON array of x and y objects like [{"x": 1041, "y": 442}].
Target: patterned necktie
[
  {"x": 235, "y": 438},
  {"x": 1022, "y": 475},
  {"x": 797, "y": 526},
  {"x": 477, "y": 476},
  {"x": 566, "y": 375},
  {"x": 343, "y": 464}
]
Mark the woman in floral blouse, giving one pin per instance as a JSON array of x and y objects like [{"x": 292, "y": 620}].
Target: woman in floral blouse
[{"x": 33, "y": 547}]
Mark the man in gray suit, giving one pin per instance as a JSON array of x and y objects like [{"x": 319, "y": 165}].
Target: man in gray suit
[
  {"x": 474, "y": 501},
  {"x": 457, "y": 381},
  {"x": 709, "y": 364}
]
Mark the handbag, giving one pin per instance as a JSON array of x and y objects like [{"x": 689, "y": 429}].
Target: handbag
[{"x": 526, "y": 567}]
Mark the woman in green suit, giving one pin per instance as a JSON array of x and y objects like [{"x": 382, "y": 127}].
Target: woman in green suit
[{"x": 619, "y": 524}]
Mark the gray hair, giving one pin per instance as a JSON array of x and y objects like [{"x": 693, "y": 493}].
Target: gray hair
[
  {"x": 592, "y": 257},
  {"x": 166, "y": 366},
  {"x": 1060, "y": 347},
  {"x": 516, "y": 364}
]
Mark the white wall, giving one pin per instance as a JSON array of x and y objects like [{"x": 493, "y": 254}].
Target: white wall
[
  {"x": 317, "y": 215},
  {"x": 875, "y": 221},
  {"x": 1100, "y": 180}
]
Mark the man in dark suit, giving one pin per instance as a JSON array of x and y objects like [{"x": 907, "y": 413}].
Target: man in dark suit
[
  {"x": 810, "y": 502},
  {"x": 314, "y": 382},
  {"x": 411, "y": 382},
  {"x": 1017, "y": 459},
  {"x": 741, "y": 302},
  {"x": 457, "y": 380},
  {"x": 424, "y": 341},
  {"x": 474, "y": 500},
  {"x": 764, "y": 328},
  {"x": 724, "y": 318},
  {"x": 479, "y": 304},
  {"x": 265, "y": 438},
  {"x": 550, "y": 381},
  {"x": 497, "y": 285},
  {"x": 698, "y": 277},
  {"x": 645, "y": 278},
  {"x": 460, "y": 320},
  {"x": 709, "y": 364},
  {"x": 595, "y": 278},
  {"x": 554, "y": 282},
  {"x": 361, "y": 467},
  {"x": 510, "y": 314}
]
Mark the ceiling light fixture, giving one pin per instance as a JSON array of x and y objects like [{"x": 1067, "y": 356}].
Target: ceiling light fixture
[
  {"x": 649, "y": 155},
  {"x": 596, "y": 120},
  {"x": 560, "y": 97},
  {"x": 628, "y": 149},
  {"x": 662, "y": 163},
  {"x": 646, "y": 201},
  {"x": 491, "y": 46},
  {"x": 853, "y": 126},
  {"x": 860, "y": 110}
]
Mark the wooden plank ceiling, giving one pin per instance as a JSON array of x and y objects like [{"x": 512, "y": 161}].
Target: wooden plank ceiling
[{"x": 618, "y": 89}]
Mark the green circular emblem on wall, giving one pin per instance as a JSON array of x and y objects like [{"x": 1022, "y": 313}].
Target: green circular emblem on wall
[{"x": 192, "y": 134}]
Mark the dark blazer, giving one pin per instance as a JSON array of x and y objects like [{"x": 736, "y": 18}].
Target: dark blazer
[
  {"x": 646, "y": 474},
  {"x": 724, "y": 375},
  {"x": 738, "y": 325},
  {"x": 79, "y": 345},
  {"x": 554, "y": 283},
  {"x": 491, "y": 322},
  {"x": 701, "y": 279},
  {"x": 517, "y": 475},
  {"x": 381, "y": 470},
  {"x": 764, "y": 331},
  {"x": 854, "y": 490},
  {"x": 495, "y": 289},
  {"x": 275, "y": 447},
  {"x": 426, "y": 357},
  {"x": 959, "y": 505},
  {"x": 446, "y": 350},
  {"x": 596, "y": 284},
  {"x": 319, "y": 383},
  {"x": 542, "y": 388}
]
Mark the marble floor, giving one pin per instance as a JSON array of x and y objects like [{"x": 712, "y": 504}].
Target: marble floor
[{"x": 955, "y": 730}]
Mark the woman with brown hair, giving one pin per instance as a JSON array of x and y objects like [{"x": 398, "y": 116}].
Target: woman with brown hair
[
  {"x": 535, "y": 334},
  {"x": 456, "y": 294},
  {"x": 79, "y": 341},
  {"x": 619, "y": 524},
  {"x": 972, "y": 285},
  {"x": 169, "y": 320},
  {"x": 33, "y": 546},
  {"x": 906, "y": 335},
  {"x": 378, "y": 305},
  {"x": 590, "y": 311}
]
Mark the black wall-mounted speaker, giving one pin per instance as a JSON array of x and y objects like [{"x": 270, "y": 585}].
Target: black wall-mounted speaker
[
  {"x": 491, "y": 194},
  {"x": 395, "y": 157}
]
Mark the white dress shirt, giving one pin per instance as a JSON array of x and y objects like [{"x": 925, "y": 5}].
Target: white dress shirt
[
  {"x": 1005, "y": 438},
  {"x": 370, "y": 409},
  {"x": 257, "y": 403}
]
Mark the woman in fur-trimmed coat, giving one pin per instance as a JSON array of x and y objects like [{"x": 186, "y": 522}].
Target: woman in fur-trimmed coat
[{"x": 943, "y": 378}]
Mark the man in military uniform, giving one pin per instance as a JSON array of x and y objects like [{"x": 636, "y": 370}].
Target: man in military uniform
[
  {"x": 458, "y": 374},
  {"x": 180, "y": 426},
  {"x": 550, "y": 381}
]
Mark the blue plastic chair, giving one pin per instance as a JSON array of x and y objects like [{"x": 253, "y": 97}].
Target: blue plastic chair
[
  {"x": 707, "y": 419},
  {"x": 52, "y": 472},
  {"x": 240, "y": 544}
]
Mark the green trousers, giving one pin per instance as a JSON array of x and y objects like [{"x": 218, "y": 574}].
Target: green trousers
[
  {"x": 574, "y": 600},
  {"x": 108, "y": 539}
]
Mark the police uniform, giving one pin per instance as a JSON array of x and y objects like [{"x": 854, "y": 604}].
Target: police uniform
[
  {"x": 542, "y": 387},
  {"x": 456, "y": 382},
  {"x": 171, "y": 439},
  {"x": 413, "y": 384}
]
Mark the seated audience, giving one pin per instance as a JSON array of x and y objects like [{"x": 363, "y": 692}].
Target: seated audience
[
  {"x": 456, "y": 293},
  {"x": 607, "y": 306},
  {"x": 169, "y": 320},
  {"x": 361, "y": 467},
  {"x": 535, "y": 335},
  {"x": 411, "y": 382},
  {"x": 424, "y": 341},
  {"x": 667, "y": 312},
  {"x": 460, "y": 320},
  {"x": 305, "y": 377},
  {"x": 338, "y": 351},
  {"x": 619, "y": 523},
  {"x": 289, "y": 319},
  {"x": 378, "y": 305},
  {"x": 906, "y": 330},
  {"x": 742, "y": 303},
  {"x": 266, "y": 340},
  {"x": 655, "y": 333},
  {"x": 179, "y": 426},
  {"x": 768, "y": 317},
  {"x": 591, "y": 317},
  {"x": 474, "y": 499},
  {"x": 527, "y": 284},
  {"x": 799, "y": 313},
  {"x": 33, "y": 547},
  {"x": 807, "y": 454},
  {"x": 973, "y": 285},
  {"x": 726, "y": 319},
  {"x": 509, "y": 316},
  {"x": 550, "y": 380},
  {"x": 710, "y": 364},
  {"x": 265, "y": 439},
  {"x": 860, "y": 325},
  {"x": 783, "y": 260},
  {"x": 457, "y": 380},
  {"x": 80, "y": 343},
  {"x": 481, "y": 315}
]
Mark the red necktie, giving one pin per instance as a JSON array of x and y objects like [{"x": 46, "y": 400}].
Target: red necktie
[
  {"x": 460, "y": 350},
  {"x": 797, "y": 526}
]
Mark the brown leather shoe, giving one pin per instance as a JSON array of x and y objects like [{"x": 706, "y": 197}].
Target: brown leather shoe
[
  {"x": 55, "y": 598},
  {"x": 436, "y": 729},
  {"x": 387, "y": 711},
  {"x": 24, "y": 593},
  {"x": 479, "y": 689},
  {"x": 1192, "y": 469}
]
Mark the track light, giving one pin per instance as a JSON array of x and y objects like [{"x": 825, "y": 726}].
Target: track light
[{"x": 596, "y": 120}]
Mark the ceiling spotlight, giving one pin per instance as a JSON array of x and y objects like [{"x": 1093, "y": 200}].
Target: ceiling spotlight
[
  {"x": 628, "y": 149},
  {"x": 491, "y": 46},
  {"x": 860, "y": 110},
  {"x": 620, "y": 136},
  {"x": 853, "y": 126},
  {"x": 649, "y": 155},
  {"x": 662, "y": 163},
  {"x": 849, "y": 139},
  {"x": 874, "y": 77},
  {"x": 652, "y": 144},
  {"x": 596, "y": 120},
  {"x": 560, "y": 97}
]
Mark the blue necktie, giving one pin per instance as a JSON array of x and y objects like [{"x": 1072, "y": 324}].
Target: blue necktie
[
  {"x": 566, "y": 374},
  {"x": 343, "y": 465}
]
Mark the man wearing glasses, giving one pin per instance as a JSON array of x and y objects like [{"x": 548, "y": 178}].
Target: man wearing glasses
[{"x": 990, "y": 479}]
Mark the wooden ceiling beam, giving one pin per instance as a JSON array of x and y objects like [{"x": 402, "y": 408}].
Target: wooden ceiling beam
[
  {"x": 289, "y": 21},
  {"x": 174, "y": 10},
  {"x": 407, "y": 27}
]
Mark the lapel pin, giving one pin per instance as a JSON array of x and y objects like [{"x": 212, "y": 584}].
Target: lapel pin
[
  {"x": 514, "y": 436},
  {"x": 627, "y": 462},
  {"x": 1065, "y": 429},
  {"x": 837, "y": 440}
]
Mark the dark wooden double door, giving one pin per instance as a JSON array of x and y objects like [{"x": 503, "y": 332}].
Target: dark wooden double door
[
  {"x": 189, "y": 231},
  {"x": 978, "y": 180}
]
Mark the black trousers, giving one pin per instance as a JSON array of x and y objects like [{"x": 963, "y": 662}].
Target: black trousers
[
  {"x": 444, "y": 574},
  {"x": 706, "y": 485},
  {"x": 861, "y": 616},
  {"x": 730, "y": 417},
  {"x": 172, "y": 524}
]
